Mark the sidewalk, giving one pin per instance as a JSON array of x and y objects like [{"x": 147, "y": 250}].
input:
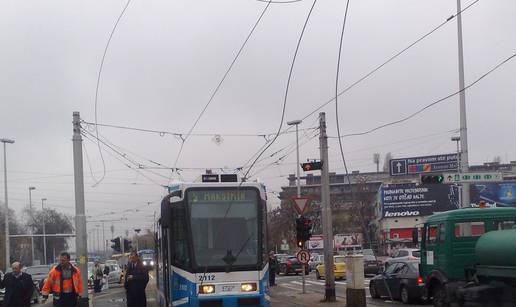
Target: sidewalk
[{"x": 284, "y": 297}]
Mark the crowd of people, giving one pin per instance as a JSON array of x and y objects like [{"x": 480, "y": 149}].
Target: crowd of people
[{"x": 64, "y": 282}]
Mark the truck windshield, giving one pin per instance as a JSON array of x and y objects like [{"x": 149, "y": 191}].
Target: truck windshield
[{"x": 224, "y": 227}]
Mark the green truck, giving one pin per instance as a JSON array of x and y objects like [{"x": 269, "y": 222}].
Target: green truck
[{"x": 468, "y": 257}]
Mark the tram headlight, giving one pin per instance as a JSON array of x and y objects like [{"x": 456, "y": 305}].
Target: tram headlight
[
  {"x": 152, "y": 263},
  {"x": 144, "y": 262},
  {"x": 207, "y": 289},
  {"x": 248, "y": 287}
]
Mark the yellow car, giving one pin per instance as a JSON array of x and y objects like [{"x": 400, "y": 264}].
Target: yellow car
[{"x": 339, "y": 268}]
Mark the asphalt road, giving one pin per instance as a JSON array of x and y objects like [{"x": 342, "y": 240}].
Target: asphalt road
[{"x": 292, "y": 284}]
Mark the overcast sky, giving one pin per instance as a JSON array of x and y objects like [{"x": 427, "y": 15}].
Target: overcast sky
[{"x": 167, "y": 57}]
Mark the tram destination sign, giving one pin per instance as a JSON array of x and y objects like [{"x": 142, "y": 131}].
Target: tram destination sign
[
  {"x": 217, "y": 196},
  {"x": 424, "y": 164}
]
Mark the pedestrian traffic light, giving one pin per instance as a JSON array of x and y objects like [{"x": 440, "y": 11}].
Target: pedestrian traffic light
[
  {"x": 311, "y": 166},
  {"x": 127, "y": 245},
  {"x": 436, "y": 178},
  {"x": 116, "y": 245}
]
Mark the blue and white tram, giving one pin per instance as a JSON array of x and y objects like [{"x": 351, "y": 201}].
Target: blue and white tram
[{"x": 212, "y": 248}]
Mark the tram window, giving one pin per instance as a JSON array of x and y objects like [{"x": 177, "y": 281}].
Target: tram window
[
  {"x": 502, "y": 225},
  {"x": 179, "y": 238}
]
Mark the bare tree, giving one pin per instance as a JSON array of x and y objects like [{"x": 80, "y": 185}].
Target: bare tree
[{"x": 386, "y": 161}]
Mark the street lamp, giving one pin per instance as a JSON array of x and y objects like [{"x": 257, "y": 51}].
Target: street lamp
[
  {"x": 296, "y": 123},
  {"x": 137, "y": 230},
  {"x": 31, "y": 223},
  {"x": 44, "y": 233},
  {"x": 7, "y": 242}
]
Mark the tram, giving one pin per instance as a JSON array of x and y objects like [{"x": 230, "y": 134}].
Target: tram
[{"x": 212, "y": 245}]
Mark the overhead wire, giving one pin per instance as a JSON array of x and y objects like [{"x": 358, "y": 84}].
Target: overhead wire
[
  {"x": 426, "y": 107},
  {"x": 219, "y": 85},
  {"x": 286, "y": 92},
  {"x": 390, "y": 59},
  {"x": 98, "y": 84}
]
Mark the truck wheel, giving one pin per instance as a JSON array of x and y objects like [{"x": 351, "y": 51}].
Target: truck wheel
[
  {"x": 317, "y": 275},
  {"x": 404, "y": 295},
  {"x": 373, "y": 291},
  {"x": 440, "y": 297}
]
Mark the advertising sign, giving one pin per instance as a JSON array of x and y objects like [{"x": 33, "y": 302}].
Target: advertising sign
[
  {"x": 411, "y": 199},
  {"x": 426, "y": 164},
  {"x": 503, "y": 194},
  {"x": 342, "y": 240},
  {"x": 316, "y": 242}
]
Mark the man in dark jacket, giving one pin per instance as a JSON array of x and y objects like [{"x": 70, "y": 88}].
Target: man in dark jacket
[
  {"x": 136, "y": 279},
  {"x": 18, "y": 287},
  {"x": 273, "y": 266}
]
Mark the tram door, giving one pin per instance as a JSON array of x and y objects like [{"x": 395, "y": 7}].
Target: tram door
[{"x": 166, "y": 264}]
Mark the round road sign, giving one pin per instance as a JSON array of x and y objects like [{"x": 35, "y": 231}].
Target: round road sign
[{"x": 303, "y": 256}]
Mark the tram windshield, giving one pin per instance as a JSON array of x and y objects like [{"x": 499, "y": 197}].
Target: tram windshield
[{"x": 224, "y": 227}]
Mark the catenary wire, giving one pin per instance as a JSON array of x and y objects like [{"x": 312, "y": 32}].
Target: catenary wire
[
  {"x": 219, "y": 85},
  {"x": 98, "y": 84},
  {"x": 286, "y": 91},
  {"x": 390, "y": 59},
  {"x": 433, "y": 103}
]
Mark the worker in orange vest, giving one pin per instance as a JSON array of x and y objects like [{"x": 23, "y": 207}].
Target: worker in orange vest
[{"x": 64, "y": 282}]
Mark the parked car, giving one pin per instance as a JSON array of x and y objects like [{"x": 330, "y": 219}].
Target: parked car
[
  {"x": 404, "y": 254},
  {"x": 39, "y": 273},
  {"x": 315, "y": 260},
  {"x": 289, "y": 265},
  {"x": 400, "y": 280},
  {"x": 115, "y": 273},
  {"x": 339, "y": 268}
]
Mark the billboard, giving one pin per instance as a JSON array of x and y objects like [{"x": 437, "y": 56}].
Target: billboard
[
  {"x": 503, "y": 193},
  {"x": 411, "y": 199}
]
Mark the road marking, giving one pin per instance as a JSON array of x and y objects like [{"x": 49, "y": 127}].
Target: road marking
[
  {"x": 321, "y": 283},
  {"x": 341, "y": 282},
  {"x": 289, "y": 287}
]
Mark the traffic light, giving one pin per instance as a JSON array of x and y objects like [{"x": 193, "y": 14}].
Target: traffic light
[
  {"x": 311, "y": 166},
  {"x": 127, "y": 245},
  {"x": 436, "y": 178},
  {"x": 116, "y": 244},
  {"x": 303, "y": 230}
]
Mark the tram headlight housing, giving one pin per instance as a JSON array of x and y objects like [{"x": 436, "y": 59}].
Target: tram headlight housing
[
  {"x": 206, "y": 289},
  {"x": 248, "y": 287}
]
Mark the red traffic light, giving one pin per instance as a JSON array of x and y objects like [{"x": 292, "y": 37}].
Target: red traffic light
[{"x": 311, "y": 166}]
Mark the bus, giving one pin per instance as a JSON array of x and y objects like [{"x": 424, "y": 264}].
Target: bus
[{"x": 212, "y": 246}]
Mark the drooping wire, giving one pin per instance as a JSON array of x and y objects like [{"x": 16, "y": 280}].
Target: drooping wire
[
  {"x": 97, "y": 89},
  {"x": 286, "y": 92},
  {"x": 391, "y": 59},
  {"x": 219, "y": 85},
  {"x": 433, "y": 103}
]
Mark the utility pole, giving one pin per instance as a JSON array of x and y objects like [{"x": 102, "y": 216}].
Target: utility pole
[
  {"x": 296, "y": 123},
  {"x": 81, "y": 242},
  {"x": 464, "y": 162},
  {"x": 329, "y": 278},
  {"x": 44, "y": 233},
  {"x": 104, "y": 239},
  {"x": 6, "y": 200},
  {"x": 31, "y": 223}
]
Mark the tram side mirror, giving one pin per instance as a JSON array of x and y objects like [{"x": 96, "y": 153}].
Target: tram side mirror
[{"x": 415, "y": 234}]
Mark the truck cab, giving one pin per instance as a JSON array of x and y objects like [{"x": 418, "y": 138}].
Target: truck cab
[{"x": 448, "y": 247}]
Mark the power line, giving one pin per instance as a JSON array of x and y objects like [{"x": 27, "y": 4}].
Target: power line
[
  {"x": 98, "y": 84},
  {"x": 433, "y": 103},
  {"x": 391, "y": 59},
  {"x": 286, "y": 91},
  {"x": 220, "y": 84}
]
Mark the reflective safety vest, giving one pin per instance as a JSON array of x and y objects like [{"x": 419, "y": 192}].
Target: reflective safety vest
[{"x": 54, "y": 283}]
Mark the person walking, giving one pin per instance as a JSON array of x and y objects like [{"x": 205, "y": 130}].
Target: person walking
[
  {"x": 136, "y": 279},
  {"x": 18, "y": 287},
  {"x": 97, "y": 277},
  {"x": 273, "y": 266},
  {"x": 64, "y": 282}
]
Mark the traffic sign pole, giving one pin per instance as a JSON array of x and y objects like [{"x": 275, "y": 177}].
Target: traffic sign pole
[{"x": 303, "y": 256}]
